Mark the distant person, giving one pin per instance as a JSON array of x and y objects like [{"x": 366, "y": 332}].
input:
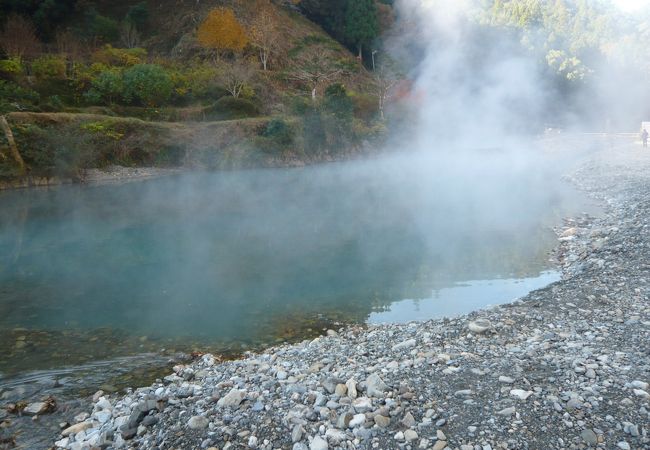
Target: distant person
[{"x": 644, "y": 137}]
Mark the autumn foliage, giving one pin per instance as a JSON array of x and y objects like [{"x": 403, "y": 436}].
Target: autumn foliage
[{"x": 222, "y": 31}]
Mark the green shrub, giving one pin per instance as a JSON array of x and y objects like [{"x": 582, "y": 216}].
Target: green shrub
[
  {"x": 366, "y": 107},
  {"x": 14, "y": 97},
  {"x": 106, "y": 88},
  {"x": 99, "y": 27},
  {"x": 52, "y": 104},
  {"x": 314, "y": 136},
  {"x": 147, "y": 84},
  {"x": 60, "y": 151},
  {"x": 229, "y": 108},
  {"x": 11, "y": 66},
  {"x": 279, "y": 130},
  {"x": 337, "y": 102},
  {"x": 277, "y": 136},
  {"x": 138, "y": 15},
  {"x": 49, "y": 66},
  {"x": 123, "y": 57}
]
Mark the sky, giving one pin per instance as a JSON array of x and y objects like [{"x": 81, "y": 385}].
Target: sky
[{"x": 631, "y": 5}]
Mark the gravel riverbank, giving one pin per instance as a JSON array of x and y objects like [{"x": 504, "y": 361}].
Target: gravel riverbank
[{"x": 567, "y": 367}]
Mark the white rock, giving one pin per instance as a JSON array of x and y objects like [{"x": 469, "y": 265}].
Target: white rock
[
  {"x": 375, "y": 386},
  {"x": 479, "y": 326},
  {"x": 362, "y": 404},
  {"x": 231, "y": 399},
  {"x": 641, "y": 393},
  {"x": 63, "y": 443},
  {"x": 34, "y": 409},
  {"x": 404, "y": 345},
  {"x": 102, "y": 416},
  {"x": 335, "y": 436},
  {"x": 521, "y": 394},
  {"x": 638, "y": 384},
  {"x": 357, "y": 420},
  {"x": 103, "y": 403},
  {"x": 506, "y": 380},
  {"x": 410, "y": 435},
  {"x": 77, "y": 428},
  {"x": 252, "y": 442},
  {"x": 507, "y": 411},
  {"x": 318, "y": 443},
  {"x": 352, "y": 388}
]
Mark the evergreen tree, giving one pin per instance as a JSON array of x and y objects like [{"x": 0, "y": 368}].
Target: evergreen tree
[{"x": 361, "y": 26}]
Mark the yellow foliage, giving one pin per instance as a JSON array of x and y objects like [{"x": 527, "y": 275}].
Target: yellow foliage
[{"x": 222, "y": 31}]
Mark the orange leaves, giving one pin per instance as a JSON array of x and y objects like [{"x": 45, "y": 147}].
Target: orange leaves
[{"x": 222, "y": 31}]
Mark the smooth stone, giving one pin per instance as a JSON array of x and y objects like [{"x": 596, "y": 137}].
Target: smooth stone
[
  {"x": 408, "y": 421},
  {"x": 382, "y": 421},
  {"x": 410, "y": 435},
  {"x": 439, "y": 445},
  {"x": 507, "y": 411},
  {"x": 589, "y": 437},
  {"x": 479, "y": 326},
  {"x": 76, "y": 428},
  {"x": 231, "y": 399},
  {"x": 198, "y": 422},
  {"x": 34, "y": 409},
  {"x": 340, "y": 390},
  {"x": 404, "y": 345}
]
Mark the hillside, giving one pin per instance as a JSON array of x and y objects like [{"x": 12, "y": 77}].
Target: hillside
[{"x": 298, "y": 93}]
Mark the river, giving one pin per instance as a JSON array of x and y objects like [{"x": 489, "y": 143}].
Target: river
[{"x": 232, "y": 261}]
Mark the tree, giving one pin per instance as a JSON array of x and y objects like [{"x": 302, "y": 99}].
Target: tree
[
  {"x": 314, "y": 73},
  {"x": 330, "y": 14},
  {"x": 148, "y": 84},
  {"x": 129, "y": 36},
  {"x": 18, "y": 39},
  {"x": 47, "y": 15},
  {"x": 385, "y": 79},
  {"x": 264, "y": 31},
  {"x": 138, "y": 15},
  {"x": 221, "y": 31},
  {"x": 361, "y": 26},
  {"x": 236, "y": 76}
]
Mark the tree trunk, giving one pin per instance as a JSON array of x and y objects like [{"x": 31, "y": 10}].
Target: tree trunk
[
  {"x": 360, "y": 53},
  {"x": 313, "y": 94},
  {"x": 12, "y": 143},
  {"x": 264, "y": 57}
]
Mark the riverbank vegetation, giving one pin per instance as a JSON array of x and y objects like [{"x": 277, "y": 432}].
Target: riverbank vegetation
[{"x": 305, "y": 78}]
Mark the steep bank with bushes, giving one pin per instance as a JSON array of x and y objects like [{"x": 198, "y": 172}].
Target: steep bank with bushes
[
  {"x": 167, "y": 84},
  {"x": 60, "y": 147}
]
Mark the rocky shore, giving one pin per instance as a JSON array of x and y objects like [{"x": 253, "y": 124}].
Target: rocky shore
[{"x": 567, "y": 367}]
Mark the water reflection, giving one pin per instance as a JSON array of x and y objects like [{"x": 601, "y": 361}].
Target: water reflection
[{"x": 462, "y": 298}]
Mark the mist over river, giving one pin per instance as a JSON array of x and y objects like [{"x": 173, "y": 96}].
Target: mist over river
[{"x": 235, "y": 260}]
